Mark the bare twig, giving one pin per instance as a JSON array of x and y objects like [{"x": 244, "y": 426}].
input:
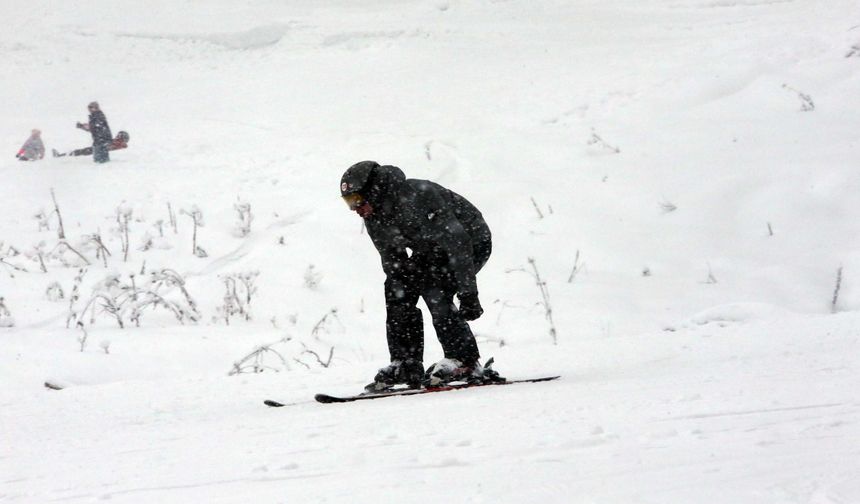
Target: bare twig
[
  {"x": 576, "y": 268},
  {"x": 75, "y": 295},
  {"x": 61, "y": 233},
  {"x": 322, "y": 324},
  {"x": 15, "y": 267},
  {"x": 82, "y": 338},
  {"x": 323, "y": 363},
  {"x": 836, "y": 290},
  {"x": 806, "y": 103},
  {"x": 667, "y": 206},
  {"x": 597, "y": 140},
  {"x": 172, "y": 217},
  {"x": 711, "y": 278},
  {"x": 537, "y": 208},
  {"x": 64, "y": 243},
  {"x": 545, "y": 300},
  {"x": 102, "y": 251}
]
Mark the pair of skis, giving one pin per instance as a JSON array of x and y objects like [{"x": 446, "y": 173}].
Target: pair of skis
[{"x": 328, "y": 399}]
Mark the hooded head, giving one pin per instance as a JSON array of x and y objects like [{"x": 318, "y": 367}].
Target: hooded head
[
  {"x": 357, "y": 177},
  {"x": 36, "y": 132},
  {"x": 93, "y": 106},
  {"x": 365, "y": 186}
]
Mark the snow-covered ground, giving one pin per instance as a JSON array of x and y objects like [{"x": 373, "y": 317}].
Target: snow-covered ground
[{"x": 683, "y": 173}]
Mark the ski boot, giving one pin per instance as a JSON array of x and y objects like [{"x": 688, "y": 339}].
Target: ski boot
[
  {"x": 409, "y": 372},
  {"x": 454, "y": 370}
]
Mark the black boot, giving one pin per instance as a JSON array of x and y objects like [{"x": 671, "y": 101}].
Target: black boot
[{"x": 407, "y": 372}]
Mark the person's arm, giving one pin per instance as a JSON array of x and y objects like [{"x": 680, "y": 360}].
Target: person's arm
[
  {"x": 24, "y": 148},
  {"x": 442, "y": 227},
  {"x": 394, "y": 259},
  {"x": 83, "y": 126}
]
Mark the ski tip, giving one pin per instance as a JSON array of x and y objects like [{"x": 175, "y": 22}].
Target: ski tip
[
  {"x": 273, "y": 404},
  {"x": 325, "y": 398}
]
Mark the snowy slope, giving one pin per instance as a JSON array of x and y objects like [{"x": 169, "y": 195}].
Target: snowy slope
[{"x": 663, "y": 143}]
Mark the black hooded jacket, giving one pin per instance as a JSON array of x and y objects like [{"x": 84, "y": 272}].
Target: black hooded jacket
[
  {"x": 99, "y": 128},
  {"x": 436, "y": 224}
]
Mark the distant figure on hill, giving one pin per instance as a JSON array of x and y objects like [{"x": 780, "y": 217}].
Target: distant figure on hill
[
  {"x": 99, "y": 129},
  {"x": 432, "y": 243},
  {"x": 120, "y": 142},
  {"x": 33, "y": 149}
]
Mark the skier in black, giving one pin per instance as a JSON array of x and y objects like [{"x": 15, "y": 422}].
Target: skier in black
[
  {"x": 99, "y": 129},
  {"x": 432, "y": 242}
]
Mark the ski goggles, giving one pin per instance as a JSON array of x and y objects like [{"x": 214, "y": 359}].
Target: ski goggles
[{"x": 354, "y": 200}]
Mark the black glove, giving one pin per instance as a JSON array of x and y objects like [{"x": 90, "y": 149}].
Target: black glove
[{"x": 470, "y": 307}]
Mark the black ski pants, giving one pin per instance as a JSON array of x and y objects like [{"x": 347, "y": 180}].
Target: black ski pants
[
  {"x": 428, "y": 277},
  {"x": 100, "y": 152}
]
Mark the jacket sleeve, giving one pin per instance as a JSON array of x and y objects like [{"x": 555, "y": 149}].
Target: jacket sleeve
[
  {"x": 442, "y": 227},
  {"x": 99, "y": 127},
  {"x": 394, "y": 259}
]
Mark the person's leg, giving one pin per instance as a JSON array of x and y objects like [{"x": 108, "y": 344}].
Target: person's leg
[
  {"x": 86, "y": 151},
  {"x": 100, "y": 153},
  {"x": 452, "y": 330},
  {"x": 404, "y": 325},
  {"x": 438, "y": 291}
]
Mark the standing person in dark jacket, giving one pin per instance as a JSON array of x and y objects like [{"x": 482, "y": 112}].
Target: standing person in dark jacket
[
  {"x": 432, "y": 243},
  {"x": 99, "y": 129}
]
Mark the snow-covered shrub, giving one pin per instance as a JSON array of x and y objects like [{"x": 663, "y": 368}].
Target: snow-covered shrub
[
  {"x": 245, "y": 217},
  {"x": 94, "y": 242},
  {"x": 197, "y": 218},
  {"x": 260, "y": 359},
  {"x": 7, "y": 255},
  {"x": 62, "y": 253},
  {"x": 255, "y": 362},
  {"x": 126, "y": 301},
  {"x": 239, "y": 290}
]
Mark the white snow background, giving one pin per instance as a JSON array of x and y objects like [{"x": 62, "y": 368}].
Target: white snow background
[{"x": 699, "y": 157}]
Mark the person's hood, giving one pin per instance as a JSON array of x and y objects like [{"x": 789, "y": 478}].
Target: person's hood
[{"x": 385, "y": 184}]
